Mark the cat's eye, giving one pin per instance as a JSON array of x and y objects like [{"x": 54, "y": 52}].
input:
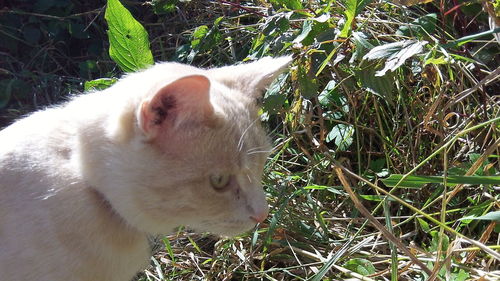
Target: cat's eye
[{"x": 220, "y": 182}]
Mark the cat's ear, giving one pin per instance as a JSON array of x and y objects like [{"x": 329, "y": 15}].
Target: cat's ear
[
  {"x": 184, "y": 100},
  {"x": 252, "y": 78}
]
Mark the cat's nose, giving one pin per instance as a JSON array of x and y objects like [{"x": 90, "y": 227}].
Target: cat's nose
[{"x": 260, "y": 217}]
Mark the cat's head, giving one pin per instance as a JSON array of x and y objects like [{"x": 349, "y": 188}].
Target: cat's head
[{"x": 197, "y": 147}]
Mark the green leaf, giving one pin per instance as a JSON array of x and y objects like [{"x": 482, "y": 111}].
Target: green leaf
[
  {"x": 277, "y": 24},
  {"x": 464, "y": 166},
  {"x": 435, "y": 241},
  {"x": 420, "y": 27},
  {"x": 204, "y": 39},
  {"x": 341, "y": 135},
  {"x": 10, "y": 87},
  {"x": 274, "y": 99},
  {"x": 128, "y": 40},
  {"x": 361, "y": 266},
  {"x": 164, "y": 6},
  {"x": 87, "y": 67},
  {"x": 330, "y": 96},
  {"x": 381, "y": 86},
  {"x": 475, "y": 211},
  {"x": 315, "y": 30},
  {"x": 306, "y": 28},
  {"x": 424, "y": 225},
  {"x": 289, "y": 4},
  {"x": 362, "y": 43},
  {"x": 352, "y": 9},
  {"x": 307, "y": 82},
  {"x": 361, "y": 40},
  {"x": 395, "y": 54},
  {"x": 437, "y": 61},
  {"x": 377, "y": 165},
  {"x": 462, "y": 275},
  {"x": 419, "y": 181},
  {"x": 492, "y": 216},
  {"x": 5, "y": 91},
  {"x": 99, "y": 84},
  {"x": 199, "y": 33}
]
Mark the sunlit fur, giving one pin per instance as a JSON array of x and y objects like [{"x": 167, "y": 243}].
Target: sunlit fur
[{"x": 83, "y": 184}]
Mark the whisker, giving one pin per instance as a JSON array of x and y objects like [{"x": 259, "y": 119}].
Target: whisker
[
  {"x": 255, "y": 151},
  {"x": 256, "y": 148},
  {"x": 240, "y": 142},
  {"x": 249, "y": 178},
  {"x": 259, "y": 151}
]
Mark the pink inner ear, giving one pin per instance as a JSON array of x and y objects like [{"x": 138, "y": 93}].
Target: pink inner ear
[{"x": 184, "y": 100}]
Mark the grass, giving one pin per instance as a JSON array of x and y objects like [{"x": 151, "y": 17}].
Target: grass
[{"x": 343, "y": 119}]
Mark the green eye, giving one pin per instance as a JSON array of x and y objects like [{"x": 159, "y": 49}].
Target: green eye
[{"x": 219, "y": 182}]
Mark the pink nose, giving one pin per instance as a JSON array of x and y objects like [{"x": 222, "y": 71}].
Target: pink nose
[{"x": 258, "y": 218}]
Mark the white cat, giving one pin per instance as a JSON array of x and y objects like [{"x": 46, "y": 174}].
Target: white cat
[{"x": 83, "y": 184}]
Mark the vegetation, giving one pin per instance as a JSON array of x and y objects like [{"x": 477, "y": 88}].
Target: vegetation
[{"x": 386, "y": 129}]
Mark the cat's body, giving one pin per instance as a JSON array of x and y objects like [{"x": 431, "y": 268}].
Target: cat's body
[{"x": 83, "y": 184}]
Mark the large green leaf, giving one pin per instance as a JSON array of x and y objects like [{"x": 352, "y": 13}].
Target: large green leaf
[
  {"x": 381, "y": 86},
  {"x": 275, "y": 98},
  {"x": 308, "y": 83},
  {"x": 128, "y": 40},
  {"x": 395, "y": 54},
  {"x": 352, "y": 9},
  {"x": 277, "y": 24},
  {"x": 419, "y": 181}
]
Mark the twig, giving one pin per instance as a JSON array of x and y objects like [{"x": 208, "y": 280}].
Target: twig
[{"x": 376, "y": 223}]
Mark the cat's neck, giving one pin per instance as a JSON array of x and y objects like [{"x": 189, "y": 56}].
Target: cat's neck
[{"x": 111, "y": 228}]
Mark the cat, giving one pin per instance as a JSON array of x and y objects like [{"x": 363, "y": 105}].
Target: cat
[{"x": 83, "y": 184}]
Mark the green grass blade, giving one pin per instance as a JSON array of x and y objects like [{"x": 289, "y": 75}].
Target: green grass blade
[
  {"x": 419, "y": 181},
  {"x": 459, "y": 42},
  {"x": 168, "y": 247},
  {"x": 493, "y": 216}
]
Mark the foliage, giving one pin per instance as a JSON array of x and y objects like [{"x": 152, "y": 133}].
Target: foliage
[
  {"x": 399, "y": 97},
  {"x": 128, "y": 40}
]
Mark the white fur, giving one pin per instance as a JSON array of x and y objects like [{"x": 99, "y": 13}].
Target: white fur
[{"x": 81, "y": 185}]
